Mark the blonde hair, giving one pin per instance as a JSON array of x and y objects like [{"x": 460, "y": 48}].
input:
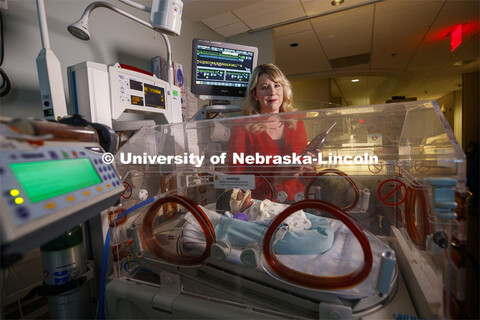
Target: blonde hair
[{"x": 252, "y": 106}]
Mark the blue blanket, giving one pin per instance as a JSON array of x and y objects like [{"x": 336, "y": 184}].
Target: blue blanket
[{"x": 241, "y": 233}]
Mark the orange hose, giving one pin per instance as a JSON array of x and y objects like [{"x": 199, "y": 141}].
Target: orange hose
[
  {"x": 312, "y": 281},
  {"x": 155, "y": 247},
  {"x": 416, "y": 222},
  {"x": 340, "y": 173}
]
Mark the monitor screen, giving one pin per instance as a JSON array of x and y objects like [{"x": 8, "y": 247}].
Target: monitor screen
[
  {"x": 221, "y": 70},
  {"x": 43, "y": 180}
]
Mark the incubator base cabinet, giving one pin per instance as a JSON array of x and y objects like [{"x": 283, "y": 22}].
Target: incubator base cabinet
[{"x": 355, "y": 212}]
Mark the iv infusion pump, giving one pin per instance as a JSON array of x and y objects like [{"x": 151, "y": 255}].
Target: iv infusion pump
[
  {"x": 49, "y": 185},
  {"x": 121, "y": 98}
]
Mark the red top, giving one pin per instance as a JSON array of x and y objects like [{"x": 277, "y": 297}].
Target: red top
[{"x": 249, "y": 143}]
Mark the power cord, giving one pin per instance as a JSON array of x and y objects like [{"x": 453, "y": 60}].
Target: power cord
[{"x": 14, "y": 274}]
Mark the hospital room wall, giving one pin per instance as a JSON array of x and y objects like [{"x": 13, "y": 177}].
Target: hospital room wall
[
  {"x": 263, "y": 40},
  {"x": 114, "y": 38},
  {"x": 308, "y": 93}
]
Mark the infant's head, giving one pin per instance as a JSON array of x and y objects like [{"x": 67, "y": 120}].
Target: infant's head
[{"x": 234, "y": 200}]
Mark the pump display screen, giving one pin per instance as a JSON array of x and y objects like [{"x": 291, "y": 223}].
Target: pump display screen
[
  {"x": 47, "y": 179},
  {"x": 154, "y": 96}
]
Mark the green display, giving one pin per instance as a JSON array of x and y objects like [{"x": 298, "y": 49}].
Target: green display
[{"x": 47, "y": 179}]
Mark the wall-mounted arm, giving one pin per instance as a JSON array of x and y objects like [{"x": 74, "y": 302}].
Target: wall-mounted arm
[
  {"x": 136, "y": 5},
  {"x": 80, "y": 30}
]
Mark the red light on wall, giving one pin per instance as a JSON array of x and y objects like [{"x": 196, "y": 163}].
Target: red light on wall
[
  {"x": 360, "y": 121},
  {"x": 456, "y": 37}
]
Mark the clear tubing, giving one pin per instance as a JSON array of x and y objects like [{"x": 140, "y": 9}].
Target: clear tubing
[{"x": 106, "y": 246}]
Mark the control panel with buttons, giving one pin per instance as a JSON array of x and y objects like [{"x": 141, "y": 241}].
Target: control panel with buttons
[{"x": 40, "y": 186}]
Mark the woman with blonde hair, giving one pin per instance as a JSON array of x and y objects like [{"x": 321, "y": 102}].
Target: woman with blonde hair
[
  {"x": 269, "y": 93},
  {"x": 260, "y": 75}
]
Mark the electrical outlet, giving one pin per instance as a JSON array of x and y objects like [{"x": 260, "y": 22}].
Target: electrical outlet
[{"x": 3, "y": 4}]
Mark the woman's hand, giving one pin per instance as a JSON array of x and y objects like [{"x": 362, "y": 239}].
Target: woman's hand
[{"x": 307, "y": 169}]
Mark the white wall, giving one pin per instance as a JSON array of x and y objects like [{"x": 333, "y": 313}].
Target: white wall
[
  {"x": 311, "y": 93},
  {"x": 451, "y": 105},
  {"x": 114, "y": 38},
  {"x": 263, "y": 40}
]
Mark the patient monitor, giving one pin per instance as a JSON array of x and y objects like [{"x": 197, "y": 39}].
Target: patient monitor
[{"x": 122, "y": 97}]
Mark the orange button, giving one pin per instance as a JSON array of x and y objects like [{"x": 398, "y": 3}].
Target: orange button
[
  {"x": 86, "y": 193},
  {"x": 108, "y": 186},
  {"x": 70, "y": 198},
  {"x": 99, "y": 189},
  {"x": 50, "y": 205}
]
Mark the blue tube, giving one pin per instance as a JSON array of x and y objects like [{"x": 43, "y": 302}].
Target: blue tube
[
  {"x": 103, "y": 275},
  {"x": 135, "y": 207},
  {"x": 103, "y": 272}
]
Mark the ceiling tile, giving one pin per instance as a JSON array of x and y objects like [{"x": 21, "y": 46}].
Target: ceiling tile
[
  {"x": 197, "y": 10},
  {"x": 262, "y": 8},
  {"x": 220, "y": 20},
  {"x": 232, "y": 29},
  {"x": 434, "y": 51},
  {"x": 345, "y": 33},
  {"x": 344, "y": 17},
  {"x": 308, "y": 57},
  {"x": 273, "y": 18},
  {"x": 398, "y": 6},
  {"x": 291, "y": 29},
  {"x": 399, "y": 30},
  {"x": 313, "y": 8}
]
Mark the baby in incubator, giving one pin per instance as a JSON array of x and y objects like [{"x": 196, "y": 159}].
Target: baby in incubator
[
  {"x": 239, "y": 204},
  {"x": 240, "y": 221}
]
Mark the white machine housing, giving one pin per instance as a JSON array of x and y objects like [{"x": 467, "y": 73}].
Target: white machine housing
[
  {"x": 166, "y": 16},
  {"x": 37, "y": 206},
  {"x": 51, "y": 85},
  {"x": 94, "y": 86}
]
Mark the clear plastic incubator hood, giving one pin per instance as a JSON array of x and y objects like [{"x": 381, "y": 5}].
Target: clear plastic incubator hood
[{"x": 354, "y": 212}]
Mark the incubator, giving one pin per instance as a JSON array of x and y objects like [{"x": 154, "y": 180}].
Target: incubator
[{"x": 357, "y": 220}]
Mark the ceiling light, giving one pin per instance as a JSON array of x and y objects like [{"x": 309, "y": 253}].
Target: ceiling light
[
  {"x": 463, "y": 62},
  {"x": 355, "y": 80},
  {"x": 337, "y": 2}
]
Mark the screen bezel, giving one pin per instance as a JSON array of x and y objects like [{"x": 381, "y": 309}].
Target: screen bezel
[{"x": 204, "y": 91}]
